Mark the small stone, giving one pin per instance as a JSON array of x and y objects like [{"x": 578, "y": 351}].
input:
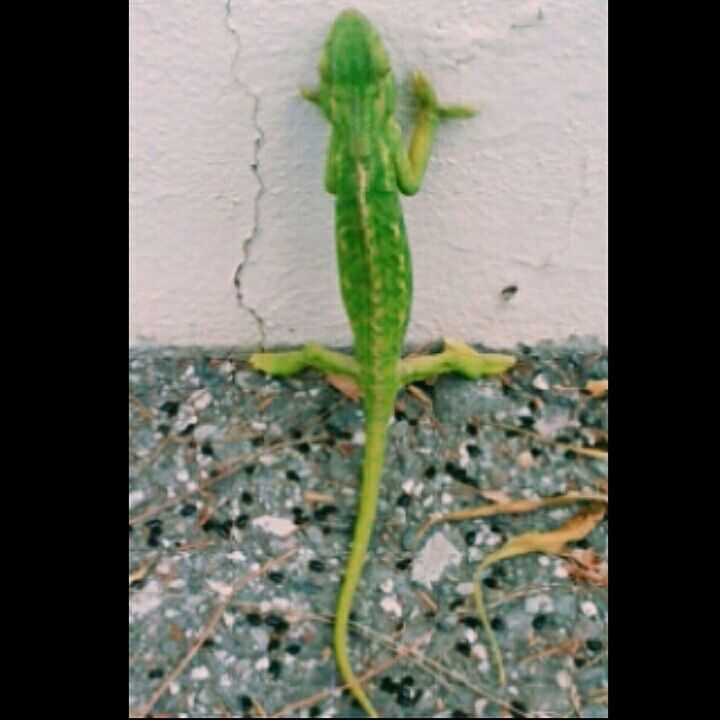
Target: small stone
[
  {"x": 588, "y": 608},
  {"x": 200, "y": 673}
]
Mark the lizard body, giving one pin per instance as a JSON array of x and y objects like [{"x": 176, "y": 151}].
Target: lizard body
[{"x": 367, "y": 167}]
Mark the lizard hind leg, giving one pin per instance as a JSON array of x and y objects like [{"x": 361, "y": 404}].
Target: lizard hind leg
[
  {"x": 456, "y": 357},
  {"x": 284, "y": 364}
]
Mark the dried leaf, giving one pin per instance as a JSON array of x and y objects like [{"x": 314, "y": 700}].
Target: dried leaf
[
  {"x": 508, "y": 507},
  {"x": 315, "y": 497},
  {"x": 496, "y": 496},
  {"x": 596, "y": 388},
  {"x": 428, "y": 603},
  {"x": 551, "y": 541},
  {"x": 421, "y": 396},
  {"x": 141, "y": 571},
  {"x": 345, "y": 386},
  {"x": 265, "y": 403},
  {"x": 176, "y": 633},
  {"x": 586, "y": 565}
]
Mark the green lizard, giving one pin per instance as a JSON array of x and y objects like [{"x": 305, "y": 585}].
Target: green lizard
[{"x": 366, "y": 166}]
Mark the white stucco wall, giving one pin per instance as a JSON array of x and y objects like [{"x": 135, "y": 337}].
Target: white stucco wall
[{"x": 515, "y": 196}]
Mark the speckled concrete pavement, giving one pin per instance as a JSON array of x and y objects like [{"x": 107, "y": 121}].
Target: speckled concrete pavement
[{"x": 230, "y": 470}]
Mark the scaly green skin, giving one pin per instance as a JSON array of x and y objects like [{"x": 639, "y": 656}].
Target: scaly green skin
[{"x": 366, "y": 167}]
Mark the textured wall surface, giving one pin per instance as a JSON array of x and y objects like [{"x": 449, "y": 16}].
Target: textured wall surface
[{"x": 232, "y": 231}]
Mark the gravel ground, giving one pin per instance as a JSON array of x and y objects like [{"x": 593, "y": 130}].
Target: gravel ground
[{"x": 230, "y": 470}]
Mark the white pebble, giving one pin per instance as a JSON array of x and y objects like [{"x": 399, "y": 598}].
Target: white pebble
[
  {"x": 200, "y": 399},
  {"x": 470, "y": 635},
  {"x": 539, "y": 603},
  {"x": 222, "y": 589},
  {"x": 560, "y": 572},
  {"x": 589, "y": 609},
  {"x": 540, "y": 382},
  {"x": 136, "y": 496},
  {"x": 387, "y": 586},
  {"x": 282, "y": 527},
  {"x": 200, "y": 673},
  {"x": 391, "y": 605},
  {"x": 430, "y": 563},
  {"x": 480, "y": 704},
  {"x": 464, "y": 588},
  {"x": 262, "y": 664},
  {"x": 182, "y": 476},
  {"x": 446, "y": 498},
  {"x": 563, "y": 679},
  {"x": 544, "y": 560}
]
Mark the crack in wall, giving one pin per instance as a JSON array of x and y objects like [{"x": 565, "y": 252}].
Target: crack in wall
[{"x": 255, "y": 166}]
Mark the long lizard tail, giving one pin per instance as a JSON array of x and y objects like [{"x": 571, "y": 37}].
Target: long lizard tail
[{"x": 376, "y": 424}]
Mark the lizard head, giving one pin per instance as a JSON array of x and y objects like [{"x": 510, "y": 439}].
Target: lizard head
[{"x": 357, "y": 80}]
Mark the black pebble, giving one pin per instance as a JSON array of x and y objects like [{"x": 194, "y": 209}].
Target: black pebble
[
  {"x": 155, "y": 673},
  {"x": 456, "y": 603},
  {"x": 497, "y": 624},
  {"x": 407, "y": 680},
  {"x": 400, "y": 415},
  {"x": 188, "y": 509},
  {"x": 388, "y": 685},
  {"x": 258, "y": 441},
  {"x": 470, "y": 537},
  {"x": 249, "y": 468},
  {"x": 277, "y": 622},
  {"x": 405, "y": 696},
  {"x": 154, "y": 526},
  {"x": 463, "y": 647},
  {"x": 316, "y": 565},
  {"x": 276, "y": 576},
  {"x": 209, "y": 642},
  {"x": 539, "y": 621},
  {"x": 471, "y": 429},
  {"x": 293, "y": 649},
  {"x": 207, "y": 449},
  {"x": 247, "y": 498},
  {"x": 459, "y": 714},
  {"x": 490, "y": 582},
  {"x": 322, "y": 512},
  {"x": 188, "y": 430},
  {"x": 304, "y": 448},
  {"x": 296, "y": 434},
  {"x": 570, "y": 454},
  {"x": 275, "y": 668},
  {"x": 131, "y": 529},
  {"x": 242, "y": 520},
  {"x": 473, "y": 450},
  {"x": 153, "y": 541},
  {"x": 517, "y": 707},
  {"x": 404, "y": 500},
  {"x": 403, "y": 564},
  {"x": 245, "y": 702},
  {"x": 593, "y": 645},
  {"x": 253, "y": 619},
  {"x": 527, "y": 420},
  {"x": 273, "y": 644},
  {"x": 164, "y": 428},
  {"x": 292, "y": 475},
  {"x": 170, "y": 407},
  {"x": 579, "y": 661},
  {"x": 470, "y": 621},
  {"x": 314, "y": 711},
  {"x": 430, "y": 472}
]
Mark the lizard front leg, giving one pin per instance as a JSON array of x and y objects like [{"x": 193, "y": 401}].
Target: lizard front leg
[
  {"x": 283, "y": 364},
  {"x": 410, "y": 165},
  {"x": 455, "y": 357}
]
